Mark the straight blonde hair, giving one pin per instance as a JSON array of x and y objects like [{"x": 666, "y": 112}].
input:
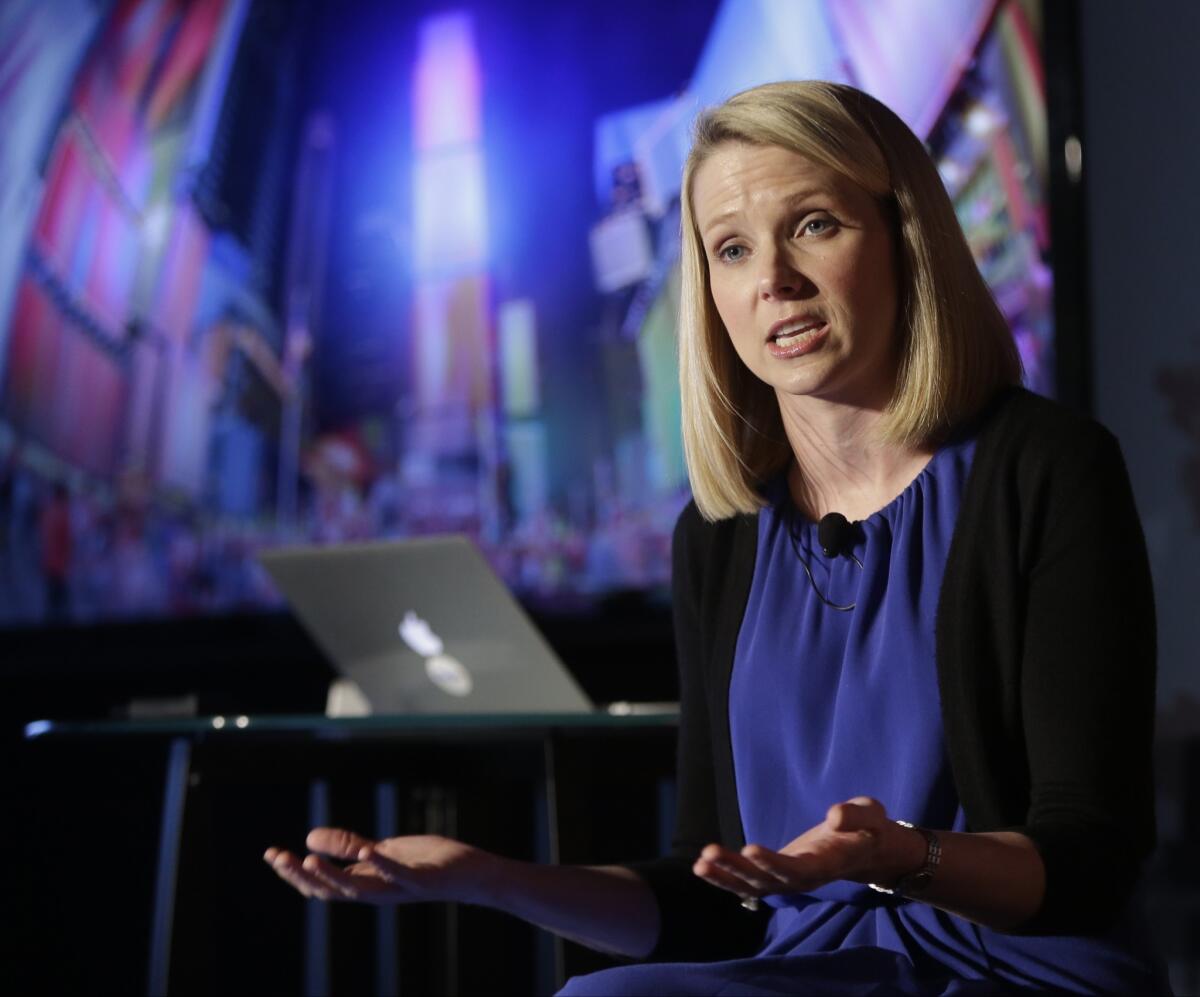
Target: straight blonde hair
[{"x": 956, "y": 349}]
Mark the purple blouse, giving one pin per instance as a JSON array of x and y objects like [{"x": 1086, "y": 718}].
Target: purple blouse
[{"x": 827, "y": 705}]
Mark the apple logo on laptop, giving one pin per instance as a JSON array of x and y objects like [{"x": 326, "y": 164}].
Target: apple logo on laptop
[
  {"x": 446, "y": 672},
  {"x": 419, "y": 635}
]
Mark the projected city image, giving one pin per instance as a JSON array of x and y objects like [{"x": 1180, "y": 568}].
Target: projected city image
[{"x": 276, "y": 273}]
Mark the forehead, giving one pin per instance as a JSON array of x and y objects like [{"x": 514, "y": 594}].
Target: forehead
[{"x": 737, "y": 178}]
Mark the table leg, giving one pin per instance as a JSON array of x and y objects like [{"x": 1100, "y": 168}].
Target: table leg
[
  {"x": 387, "y": 967},
  {"x": 166, "y": 877},
  {"x": 316, "y": 912},
  {"x": 548, "y": 852}
]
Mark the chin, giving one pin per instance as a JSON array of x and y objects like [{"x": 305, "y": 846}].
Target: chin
[{"x": 805, "y": 384}]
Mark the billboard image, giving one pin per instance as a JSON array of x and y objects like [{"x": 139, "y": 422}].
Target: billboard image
[{"x": 281, "y": 273}]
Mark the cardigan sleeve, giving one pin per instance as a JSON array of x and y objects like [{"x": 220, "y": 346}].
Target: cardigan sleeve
[
  {"x": 1087, "y": 688},
  {"x": 699, "y": 922}
]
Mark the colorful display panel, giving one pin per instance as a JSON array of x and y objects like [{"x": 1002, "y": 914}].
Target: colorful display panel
[{"x": 332, "y": 272}]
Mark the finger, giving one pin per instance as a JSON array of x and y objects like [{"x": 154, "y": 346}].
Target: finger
[
  {"x": 768, "y": 877},
  {"x": 288, "y": 868},
  {"x": 795, "y": 872},
  {"x": 331, "y": 877},
  {"x": 280, "y": 861},
  {"x": 388, "y": 869},
  {"x": 715, "y": 875},
  {"x": 292, "y": 872},
  {"x": 736, "y": 868},
  {"x": 859, "y": 814},
  {"x": 336, "y": 843}
]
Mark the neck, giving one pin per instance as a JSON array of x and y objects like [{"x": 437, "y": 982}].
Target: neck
[{"x": 841, "y": 464}]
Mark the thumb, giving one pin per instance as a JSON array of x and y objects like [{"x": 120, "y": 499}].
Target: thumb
[
  {"x": 335, "y": 842},
  {"x": 862, "y": 813}
]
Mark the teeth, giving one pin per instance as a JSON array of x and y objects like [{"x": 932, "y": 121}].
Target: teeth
[{"x": 786, "y": 338}]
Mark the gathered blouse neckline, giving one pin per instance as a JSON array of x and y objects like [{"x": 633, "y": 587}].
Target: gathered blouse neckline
[{"x": 779, "y": 495}]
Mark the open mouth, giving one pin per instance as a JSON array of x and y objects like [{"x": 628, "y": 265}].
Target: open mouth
[{"x": 792, "y": 338}]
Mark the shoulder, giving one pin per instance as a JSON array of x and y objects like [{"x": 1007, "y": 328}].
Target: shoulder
[
  {"x": 692, "y": 526},
  {"x": 1042, "y": 471},
  {"x": 690, "y": 523},
  {"x": 708, "y": 555},
  {"x": 1040, "y": 423},
  {"x": 1033, "y": 436},
  {"x": 697, "y": 535}
]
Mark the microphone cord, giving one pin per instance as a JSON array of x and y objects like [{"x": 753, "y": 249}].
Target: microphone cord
[{"x": 792, "y": 531}]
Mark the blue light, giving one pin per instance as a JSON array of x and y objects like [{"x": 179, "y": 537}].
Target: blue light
[{"x": 36, "y": 728}]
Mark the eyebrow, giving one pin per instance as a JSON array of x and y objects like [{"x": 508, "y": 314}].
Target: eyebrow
[{"x": 800, "y": 196}]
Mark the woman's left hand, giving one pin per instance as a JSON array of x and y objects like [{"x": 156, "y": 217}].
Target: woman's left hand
[{"x": 856, "y": 841}]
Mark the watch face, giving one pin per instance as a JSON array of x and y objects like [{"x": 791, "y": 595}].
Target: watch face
[{"x": 915, "y": 883}]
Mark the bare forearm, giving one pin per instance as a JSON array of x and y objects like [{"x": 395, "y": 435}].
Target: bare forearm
[
  {"x": 609, "y": 908},
  {"x": 604, "y": 907},
  {"x": 995, "y": 879}
]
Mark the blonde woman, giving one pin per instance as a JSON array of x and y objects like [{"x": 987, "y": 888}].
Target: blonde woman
[{"x": 913, "y": 616}]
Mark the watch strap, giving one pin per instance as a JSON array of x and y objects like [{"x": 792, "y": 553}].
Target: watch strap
[{"x": 914, "y": 883}]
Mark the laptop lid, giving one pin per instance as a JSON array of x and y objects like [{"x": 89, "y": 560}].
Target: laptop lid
[{"x": 423, "y": 626}]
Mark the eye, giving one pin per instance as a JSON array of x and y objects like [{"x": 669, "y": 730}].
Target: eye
[
  {"x": 818, "y": 226},
  {"x": 731, "y": 253}
]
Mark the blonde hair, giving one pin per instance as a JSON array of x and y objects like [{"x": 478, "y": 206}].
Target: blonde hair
[{"x": 956, "y": 349}]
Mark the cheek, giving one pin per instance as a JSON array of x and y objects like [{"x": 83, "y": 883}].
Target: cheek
[
  {"x": 725, "y": 298},
  {"x": 884, "y": 294},
  {"x": 887, "y": 270},
  {"x": 870, "y": 289}
]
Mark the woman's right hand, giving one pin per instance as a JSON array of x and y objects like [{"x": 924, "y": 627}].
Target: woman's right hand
[
  {"x": 610, "y": 908},
  {"x": 392, "y": 871}
]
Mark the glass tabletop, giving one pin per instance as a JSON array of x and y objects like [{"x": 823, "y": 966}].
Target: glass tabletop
[{"x": 618, "y": 716}]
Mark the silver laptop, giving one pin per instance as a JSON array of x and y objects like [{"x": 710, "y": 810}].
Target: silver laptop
[{"x": 421, "y": 626}]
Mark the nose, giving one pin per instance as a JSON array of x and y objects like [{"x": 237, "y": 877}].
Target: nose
[{"x": 780, "y": 279}]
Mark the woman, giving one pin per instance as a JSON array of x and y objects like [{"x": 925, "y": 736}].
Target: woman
[{"x": 906, "y": 589}]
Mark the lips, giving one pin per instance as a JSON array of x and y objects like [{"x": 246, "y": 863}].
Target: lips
[{"x": 795, "y": 336}]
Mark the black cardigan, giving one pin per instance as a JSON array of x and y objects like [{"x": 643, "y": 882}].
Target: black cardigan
[{"x": 1045, "y": 644}]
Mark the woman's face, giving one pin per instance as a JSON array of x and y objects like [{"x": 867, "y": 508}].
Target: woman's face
[{"x": 802, "y": 270}]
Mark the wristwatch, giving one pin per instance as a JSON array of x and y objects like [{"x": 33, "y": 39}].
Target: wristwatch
[{"x": 914, "y": 883}]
